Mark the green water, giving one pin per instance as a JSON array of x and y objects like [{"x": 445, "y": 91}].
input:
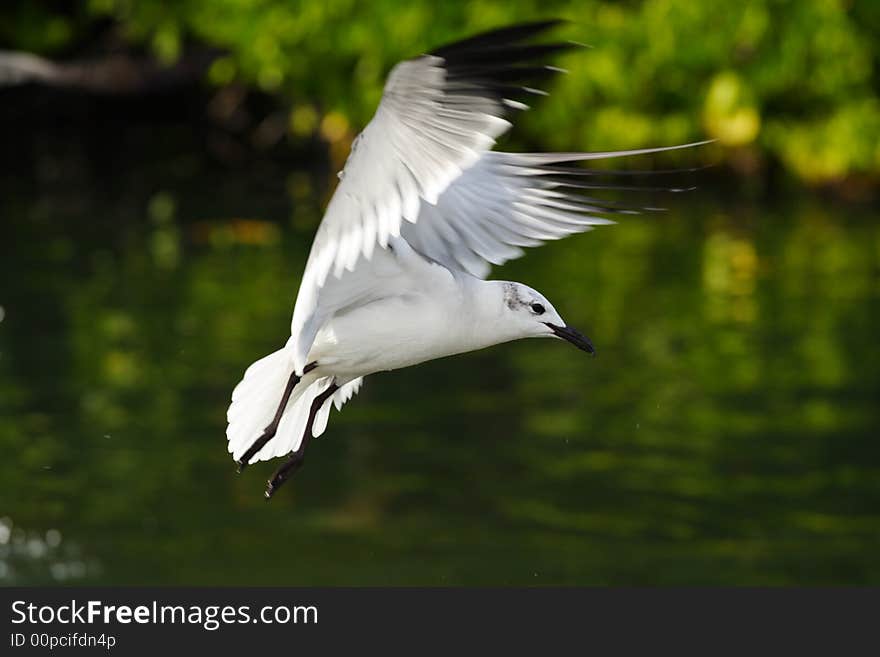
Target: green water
[{"x": 727, "y": 432}]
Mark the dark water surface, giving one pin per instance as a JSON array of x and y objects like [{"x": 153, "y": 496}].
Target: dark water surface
[{"x": 726, "y": 433}]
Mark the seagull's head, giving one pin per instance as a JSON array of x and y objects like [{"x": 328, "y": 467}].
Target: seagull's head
[{"x": 533, "y": 316}]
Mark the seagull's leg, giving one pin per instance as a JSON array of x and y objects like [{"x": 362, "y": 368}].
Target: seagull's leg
[
  {"x": 296, "y": 458},
  {"x": 272, "y": 427}
]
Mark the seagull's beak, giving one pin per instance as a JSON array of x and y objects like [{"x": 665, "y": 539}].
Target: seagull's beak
[{"x": 574, "y": 336}]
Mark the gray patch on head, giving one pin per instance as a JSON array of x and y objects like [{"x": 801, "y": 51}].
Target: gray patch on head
[{"x": 511, "y": 296}]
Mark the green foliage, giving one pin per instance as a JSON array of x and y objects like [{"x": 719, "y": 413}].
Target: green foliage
[{"x": 794, "y": 80}]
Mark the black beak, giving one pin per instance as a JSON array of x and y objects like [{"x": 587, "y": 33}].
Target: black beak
[{"x": 574, "y": 336}]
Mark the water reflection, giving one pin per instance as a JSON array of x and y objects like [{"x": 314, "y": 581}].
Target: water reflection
[
  {"x": 29, "y": 557},
  {"x": 726, "y": 433}
]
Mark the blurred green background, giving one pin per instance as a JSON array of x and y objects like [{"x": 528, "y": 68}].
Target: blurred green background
[
  {"x": 792, "y": 81},
  {"x": 162, "y": 175}
]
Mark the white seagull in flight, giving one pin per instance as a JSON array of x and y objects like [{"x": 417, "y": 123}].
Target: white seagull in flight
[{"x": 424, "y": 207}]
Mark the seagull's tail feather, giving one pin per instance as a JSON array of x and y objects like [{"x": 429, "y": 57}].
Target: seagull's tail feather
[{"x": 256, "y": 398}]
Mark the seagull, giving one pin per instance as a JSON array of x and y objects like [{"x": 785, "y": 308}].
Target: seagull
[{"x": 424, "y": 207}]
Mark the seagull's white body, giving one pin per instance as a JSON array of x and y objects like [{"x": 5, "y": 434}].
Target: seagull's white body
[
  {"x": 430, "y": 312},
  {"x": 420, "y": 296},
  {"x": 396, "y": 272}
]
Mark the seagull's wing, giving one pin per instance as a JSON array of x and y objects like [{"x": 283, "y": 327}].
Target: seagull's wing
[
  {"x": 438, "y": 115},
  {"x": 510, "y": 200}
]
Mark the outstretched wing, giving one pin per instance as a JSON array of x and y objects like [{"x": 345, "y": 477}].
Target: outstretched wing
[
  {"x": 511, "y": 200},
  {"x": 423, "y": 169},
  {"x": 438, "y": 115}
]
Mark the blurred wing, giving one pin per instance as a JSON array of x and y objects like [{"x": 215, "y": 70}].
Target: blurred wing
[
  {"x": 439, "y": 113},
  {"x": 345, "y": 392},
  {"x": 511, "y": 200}
]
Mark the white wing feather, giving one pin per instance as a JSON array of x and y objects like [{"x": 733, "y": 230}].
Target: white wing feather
[{"x": 507, "y": 201}]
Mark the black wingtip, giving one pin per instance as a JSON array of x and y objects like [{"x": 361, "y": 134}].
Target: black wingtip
[
  {"x": 499, "y": 36},
  {"x": 504, "y": 64}
]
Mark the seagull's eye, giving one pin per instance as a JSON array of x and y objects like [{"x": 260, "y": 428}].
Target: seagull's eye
[{"x": 537, "y": 308}]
